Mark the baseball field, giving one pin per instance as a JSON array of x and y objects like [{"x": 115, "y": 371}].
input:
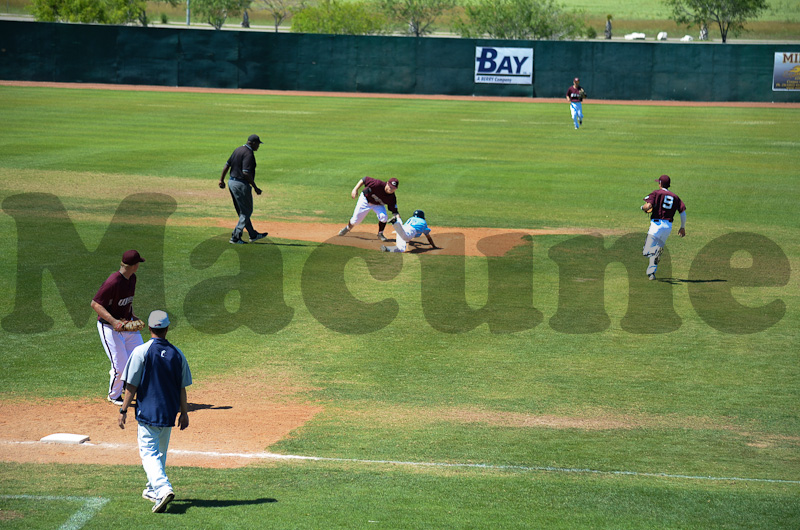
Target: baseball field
[{"x": 526, "y": 375}]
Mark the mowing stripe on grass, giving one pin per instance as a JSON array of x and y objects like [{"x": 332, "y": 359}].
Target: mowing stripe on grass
[
  {"x": 91, "y": 505},
  {"x": 501, "y": 467},
  {"x": 275, "y": 456}
]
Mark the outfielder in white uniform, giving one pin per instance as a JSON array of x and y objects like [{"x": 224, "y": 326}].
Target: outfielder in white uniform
[
  {"x": 113, "y": 304},
  {"x": 414, "y": 227}
]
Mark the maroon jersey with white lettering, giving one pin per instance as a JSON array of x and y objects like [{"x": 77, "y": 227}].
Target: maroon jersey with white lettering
[
  {"x": 116, "y": 295},
  {"x": 574, "y": 94},
  {"x": 665, "y": 204},
  {"x": 377, "y": 194}
]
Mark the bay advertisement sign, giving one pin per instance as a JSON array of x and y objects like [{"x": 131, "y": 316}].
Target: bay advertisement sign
[{"x": 503, "y": 66}]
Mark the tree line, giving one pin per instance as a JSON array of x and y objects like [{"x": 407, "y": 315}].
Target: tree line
[{"x": 500, "y": 19}]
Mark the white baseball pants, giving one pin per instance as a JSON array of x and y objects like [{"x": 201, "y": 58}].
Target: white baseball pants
[
  {"x": 657, "y": 236},
  {"x": 153, "y": 445},
  {"x": 363, "y": 207},
  {"x": 118, "y": 346},
  {"x": 576, "y": 109},
  {"x": 403, "y": 237}
]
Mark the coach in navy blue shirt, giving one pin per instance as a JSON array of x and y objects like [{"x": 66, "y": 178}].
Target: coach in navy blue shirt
[{"x": 157, "y": 374}]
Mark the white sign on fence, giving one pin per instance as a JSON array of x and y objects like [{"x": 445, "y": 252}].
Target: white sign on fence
[{"x": 504, "y": 66}]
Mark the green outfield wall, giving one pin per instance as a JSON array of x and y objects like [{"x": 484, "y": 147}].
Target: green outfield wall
[{"x": 82, "y": 53}]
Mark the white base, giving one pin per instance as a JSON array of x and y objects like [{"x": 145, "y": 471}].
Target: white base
[{"x": 65, "y": 438}]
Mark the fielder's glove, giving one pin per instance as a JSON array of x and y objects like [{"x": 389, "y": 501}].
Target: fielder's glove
[
  {"x": 582, "y": 94},
  {"x": 132, "y": 325},
  {"x": 647, "y": 207}
]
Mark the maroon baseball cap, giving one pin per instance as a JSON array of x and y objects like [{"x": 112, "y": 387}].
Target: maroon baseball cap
[
  {"x": 393, "y": 182},
  {"x": 664, "y": 181},
  {"x": 132, "y": 257}
]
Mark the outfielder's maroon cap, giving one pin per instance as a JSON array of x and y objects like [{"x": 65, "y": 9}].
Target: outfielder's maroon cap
[
  {"x": 132, "y": 257},
  {"x": 393, "y": 182},
  {"x": 664, "y": 181}
]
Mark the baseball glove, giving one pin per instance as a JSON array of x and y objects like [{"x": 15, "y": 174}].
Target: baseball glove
[
  {"x": 647, "y": 207},
  {"x": 583, "y": 94},
  {"x": 133, "y": 325}
]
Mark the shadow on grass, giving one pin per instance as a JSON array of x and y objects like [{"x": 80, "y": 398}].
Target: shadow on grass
[
  {"x": 273, "y": 243},
  {"x": 676, "y": 281},
  {"x": 183, "y": 505}
]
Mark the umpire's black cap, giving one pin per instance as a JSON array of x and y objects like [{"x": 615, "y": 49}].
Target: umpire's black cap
[{"x": 254, "y": 139}]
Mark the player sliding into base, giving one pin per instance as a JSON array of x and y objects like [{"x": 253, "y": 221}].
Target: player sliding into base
[{"x": 414, "y": 227}]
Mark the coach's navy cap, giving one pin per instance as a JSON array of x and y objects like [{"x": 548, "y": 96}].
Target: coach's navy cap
[
  {"x": 158, "y": 319},
  {"x": 393, "y": 182},
  {"x": 664, "y": 181},
  {"x": 132, "y": 257},
  {"x": 254, "y": 139}
]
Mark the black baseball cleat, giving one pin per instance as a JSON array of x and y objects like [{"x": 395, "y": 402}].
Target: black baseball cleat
[
  {"x": 258, "y": 236},
  {"x": 237, "y": 241},
  {"x": 382, "y": 237},
  {"x": 651, "y": 276}
]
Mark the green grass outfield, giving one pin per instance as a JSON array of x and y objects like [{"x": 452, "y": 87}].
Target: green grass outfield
[{"x": 698, "y": 426}]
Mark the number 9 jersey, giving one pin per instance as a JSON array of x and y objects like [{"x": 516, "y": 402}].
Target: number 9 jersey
[{"x": 665, "y": 204}]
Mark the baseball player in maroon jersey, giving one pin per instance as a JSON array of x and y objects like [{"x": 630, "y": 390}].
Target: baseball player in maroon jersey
[
  {"x": 113, "y": 304},
  {"x": 662, "y": 205},
  {"x": 377, "y": 197},
  {"x": 575, "y": 96}
]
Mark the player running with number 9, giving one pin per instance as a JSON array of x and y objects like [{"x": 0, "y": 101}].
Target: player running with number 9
[{"x": 662, "y": 205}]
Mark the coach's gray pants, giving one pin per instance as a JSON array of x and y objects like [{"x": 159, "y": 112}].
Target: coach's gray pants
[{"x": 242, "y": 195}]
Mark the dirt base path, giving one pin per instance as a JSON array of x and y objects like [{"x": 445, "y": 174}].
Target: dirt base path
[
  {"x": 450, "y": 241},
  {"x": 226, "y": 418}
]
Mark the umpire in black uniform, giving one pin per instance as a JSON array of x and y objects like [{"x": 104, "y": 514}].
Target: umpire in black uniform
[{"x": 242, "y": 165}]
